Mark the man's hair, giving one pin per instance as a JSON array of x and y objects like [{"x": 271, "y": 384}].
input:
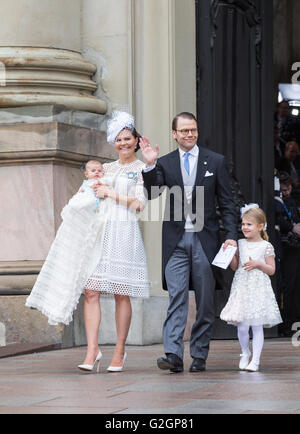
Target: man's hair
[
  {"x": 185, "y": 115},
  {"x": 284, "y": 178}
]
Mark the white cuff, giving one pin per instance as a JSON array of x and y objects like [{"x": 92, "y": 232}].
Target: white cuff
[{"x": 148, "y": 169}]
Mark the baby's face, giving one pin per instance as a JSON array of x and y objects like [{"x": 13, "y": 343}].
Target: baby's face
[{"x": 93, "y": 170}]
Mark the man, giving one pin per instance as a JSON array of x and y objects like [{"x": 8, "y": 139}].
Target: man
[
  {"x": 287, "y": 218},
  {"x": 284, "y": 122},
  {"x": 188, "y": 247}
]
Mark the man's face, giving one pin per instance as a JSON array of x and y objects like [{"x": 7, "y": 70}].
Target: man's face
[
  {"x": 292, "y": 151},
  {"x": 285, "y": 190},
  {"x": 186, "y": 133}
]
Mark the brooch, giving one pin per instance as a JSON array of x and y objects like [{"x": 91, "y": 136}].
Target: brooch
[{"x": 132, "y": 175}]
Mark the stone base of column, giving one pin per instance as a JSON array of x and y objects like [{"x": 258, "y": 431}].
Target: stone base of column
[
  {"x": 42, "y": 151},
  {"x": 52, "y": 113},
  {"x": 35, "y": 76},
  {"x": 21, "y": 324}
]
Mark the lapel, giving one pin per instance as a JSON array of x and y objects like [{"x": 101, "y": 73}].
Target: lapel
[
  {"x": 176, "y": 167},
  {"x": 202, "y": 167}
]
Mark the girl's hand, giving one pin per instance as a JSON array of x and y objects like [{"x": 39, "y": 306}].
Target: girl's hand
[{"x": 250, "y": 265}]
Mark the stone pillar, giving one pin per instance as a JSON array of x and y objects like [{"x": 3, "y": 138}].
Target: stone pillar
[
  {"x": 50, "y": 123},
  {"x": 41, "y": 53},
  {"x": 107, "y": 42}
]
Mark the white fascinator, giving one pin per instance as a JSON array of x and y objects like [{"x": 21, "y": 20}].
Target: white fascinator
[
  {"x": 117, "y": 123},
  {"x": 249, "y": 206}
]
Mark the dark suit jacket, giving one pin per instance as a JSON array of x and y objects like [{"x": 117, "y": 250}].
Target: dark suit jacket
[
  {"x": 168, "y": 173},
  {"x": 285, "y": 165}
]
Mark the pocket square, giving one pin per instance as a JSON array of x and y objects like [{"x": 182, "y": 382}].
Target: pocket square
[{"x": 208, "y": 174}]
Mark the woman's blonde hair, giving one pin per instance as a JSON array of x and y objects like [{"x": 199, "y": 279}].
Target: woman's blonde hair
[{"x": 260, "y": 217}]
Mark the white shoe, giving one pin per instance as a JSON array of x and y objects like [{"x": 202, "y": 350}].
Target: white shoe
[
  {"x": 244, "y": 362},
  {"x": 252, "y": 367},
  {"x": 90, "y": 368},
  {"x": 117, "y": 368}
]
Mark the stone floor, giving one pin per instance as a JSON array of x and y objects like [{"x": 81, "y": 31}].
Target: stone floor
[{"x": 49, "y": 382}]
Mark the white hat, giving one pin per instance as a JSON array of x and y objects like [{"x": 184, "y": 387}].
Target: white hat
[{"x": 118, "y": 122}]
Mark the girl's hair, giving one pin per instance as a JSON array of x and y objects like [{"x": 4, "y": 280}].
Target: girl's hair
[{"x": 260, "y": 217}]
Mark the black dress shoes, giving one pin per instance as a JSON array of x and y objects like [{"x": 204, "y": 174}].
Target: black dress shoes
[
  {"x": 198, "y": 365},
  {"x": 172, "y": 362}
]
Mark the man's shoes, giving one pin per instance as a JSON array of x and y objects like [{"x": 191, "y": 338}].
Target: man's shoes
[
  {"x": 172, "y": 362},
  {"x": 198, "y": 365}
]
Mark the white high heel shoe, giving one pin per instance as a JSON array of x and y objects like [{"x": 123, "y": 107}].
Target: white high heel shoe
[
  {"x": 117, "y": 368},
  {"x": 90, "y": 368}
]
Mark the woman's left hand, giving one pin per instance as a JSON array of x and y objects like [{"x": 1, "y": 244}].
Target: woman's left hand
[
  {"x": 250, "y": 265},
  {"x": 102, "y": 191}
]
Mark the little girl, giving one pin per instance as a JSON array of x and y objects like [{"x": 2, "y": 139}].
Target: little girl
[{"x": 252, "y": 301}]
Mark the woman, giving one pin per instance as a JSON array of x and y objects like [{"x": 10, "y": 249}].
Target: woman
[{"x": 121, "y": 269}]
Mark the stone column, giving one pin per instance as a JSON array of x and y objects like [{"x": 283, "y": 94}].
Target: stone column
[
  {"x": 50, "y": 123},
  {"x": 41, "y": 53}
]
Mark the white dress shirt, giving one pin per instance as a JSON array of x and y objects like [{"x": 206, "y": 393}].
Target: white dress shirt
[{"x": 193, "y": 160}]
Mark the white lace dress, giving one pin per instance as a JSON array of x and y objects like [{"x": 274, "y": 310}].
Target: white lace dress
[
  {"x": 252, "y": 300},
  {"x": 121, "y": 259}
]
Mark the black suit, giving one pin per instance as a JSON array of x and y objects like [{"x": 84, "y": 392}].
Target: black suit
[
  {"x": 168, "y": 173},
  {"x": 187, "y": 255}
]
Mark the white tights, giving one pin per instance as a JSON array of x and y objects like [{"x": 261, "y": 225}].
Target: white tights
[{"x": 257, "y": 341}]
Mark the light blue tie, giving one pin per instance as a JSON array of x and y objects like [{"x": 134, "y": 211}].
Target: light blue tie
[{"x": 187, "y": 163}]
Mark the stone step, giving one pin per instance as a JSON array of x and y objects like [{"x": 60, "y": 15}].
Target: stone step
[{"x": 19, "y": 349}]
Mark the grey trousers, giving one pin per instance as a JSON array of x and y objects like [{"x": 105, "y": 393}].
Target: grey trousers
[{"x": 189, "y": 261}]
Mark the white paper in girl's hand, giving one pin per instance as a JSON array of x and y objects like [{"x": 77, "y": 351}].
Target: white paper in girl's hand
[{"x": 224, "y": 257}]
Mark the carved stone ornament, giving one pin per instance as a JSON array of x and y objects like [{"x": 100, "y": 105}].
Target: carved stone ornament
[{"x": 251, "y": 14}]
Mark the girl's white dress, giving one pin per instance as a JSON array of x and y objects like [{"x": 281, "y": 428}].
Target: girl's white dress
[
  {"x": 96, "y": 243},
  {"x": 252, "y": 301}
]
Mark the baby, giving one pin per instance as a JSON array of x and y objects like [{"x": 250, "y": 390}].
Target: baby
[
  {"x": 86, "y": 197},
  {"x": 70, "y": 257}
]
